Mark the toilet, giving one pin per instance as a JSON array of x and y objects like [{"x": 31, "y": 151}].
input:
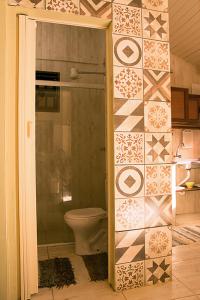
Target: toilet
[{"x": 89, "y": 226}]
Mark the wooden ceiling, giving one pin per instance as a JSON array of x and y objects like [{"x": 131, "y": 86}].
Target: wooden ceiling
[{"x": 184, "y": 25}]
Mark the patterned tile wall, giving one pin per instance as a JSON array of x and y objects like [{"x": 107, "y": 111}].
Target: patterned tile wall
[{"x": 142, "y": 133}]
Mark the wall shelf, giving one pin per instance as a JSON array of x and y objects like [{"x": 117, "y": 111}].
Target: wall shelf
[{"x": 184, "y": 189}]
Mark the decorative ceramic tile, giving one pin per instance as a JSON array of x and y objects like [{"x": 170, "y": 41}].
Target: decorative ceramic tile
[
  {"x": 157, "y": 116},
  {"x": 128, "y": 115},
  {"x": 157, "y": 85},
  {"x": 158, "y": 270},
  {"x": 130, "y": 275},
  {"x": 129, "y": 246},
  {"x": 158, "y": 148},
  {"x": 129, "y": 181},
  {"x": 128, "y": 83},
  {"x": 157, "y": 180},
  {"x": 28, "y": 3},
  {"x": 96, "y": 8},
  {"x": 68, "y": 6},
  {"x": 127, "y": 20},
  {"x": 158, "y": 211},
  {"x": 158, "y": 242},
  {"x": 159, "y": 5},
  {"x": 136, "y": 3},
  {"x": 129, "y": 214},
  {"x": 155, "y": 25},
  {"x": 129, "y": 148},
  {"x": 127, "y": 51},
  {"x": 156, "y": 55}
]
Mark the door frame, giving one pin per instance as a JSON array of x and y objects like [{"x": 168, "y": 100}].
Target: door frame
[{"x": 90, "y": 22}]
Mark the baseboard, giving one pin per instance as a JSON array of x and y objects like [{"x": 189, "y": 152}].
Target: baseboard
[{"x": 55, "y": 244}]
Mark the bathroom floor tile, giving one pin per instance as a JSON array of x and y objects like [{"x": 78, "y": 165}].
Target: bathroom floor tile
[
  {"x": 156, "y": 55},
  {"x": 129, "y": 148},
  {"x": 155, "y": 25},
  {"x": 158, "y": 242},
  {"x": 129, "y": 181},
  {"x": 43, "y": 294},
  {"x": 128, "y": 83},
  {"x": 127, "y": 20},
  {"x": 157, "y": 116},
  {"x": 128, "y": 115},
  {"x": 129, "y": 213},
  {"x": 127, "y": 51}
]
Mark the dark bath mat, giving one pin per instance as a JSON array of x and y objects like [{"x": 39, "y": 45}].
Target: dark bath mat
[
  {"x": 55, "y": 272},
  {"x": 97, "y": 266}
]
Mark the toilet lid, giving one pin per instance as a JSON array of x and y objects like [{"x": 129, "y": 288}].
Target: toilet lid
[{"x": 85, "y": 213}]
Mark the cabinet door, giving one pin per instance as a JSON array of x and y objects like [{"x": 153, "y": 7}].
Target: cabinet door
[
  {"x": 179, "y": 96},
  {"x": 193, "y": 108}
]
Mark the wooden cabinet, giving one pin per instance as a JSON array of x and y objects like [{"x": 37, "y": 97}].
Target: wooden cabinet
[{"x": 185, "y": 108}]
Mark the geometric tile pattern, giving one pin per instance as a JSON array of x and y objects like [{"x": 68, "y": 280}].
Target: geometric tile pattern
[
  {"x": 158, "y": 270},
  {"x": 129, "y": 214},
  {"x": 128, "y": 83},
  {"x": 129, "y": 181},
  {"x": 157, "y": 116},
  {"x": 156, "y": 55},
  {"x": 158, "y": 211},
  {"x": 158, "y": 148},
  {"x": 129, "y": 275},
  {"x": 96, "y": 8},
  {"x": 157, "y": 180},
  {"x": 158, "y": 242},
  {"x": 127, "y": 51},
  {"x": 28, "y": 3},
  {"x": 128, "y": 115},
  {"x": 155, "y": 25},
  {"x": 159, "y": 5},
  {"x": 136, "y": 3},
  {"x": 157, "y": 85},
  {"x": 68, "y": 6},
  {"x": 129, "y": 246},
  {"x": 129, "y": 148},
  {"x": 127, "y": 20}
]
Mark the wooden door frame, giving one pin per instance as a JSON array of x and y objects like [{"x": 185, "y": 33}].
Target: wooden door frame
[{"x": 59, "y": 18}]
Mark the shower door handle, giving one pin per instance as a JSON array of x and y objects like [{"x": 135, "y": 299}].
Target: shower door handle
[{"x": 29, "y": 124}]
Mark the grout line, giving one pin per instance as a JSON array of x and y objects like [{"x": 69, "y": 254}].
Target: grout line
[
  {"x": 52, "y": 293},
  {"x": 124, "y": 296},
  {"x": 193, "y": 293}
]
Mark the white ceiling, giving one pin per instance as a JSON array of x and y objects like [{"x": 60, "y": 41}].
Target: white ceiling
[{"x": 184, "y": 25}]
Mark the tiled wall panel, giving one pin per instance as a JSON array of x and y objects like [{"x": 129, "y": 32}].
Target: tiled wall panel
[{"x": 142, "y": 133}]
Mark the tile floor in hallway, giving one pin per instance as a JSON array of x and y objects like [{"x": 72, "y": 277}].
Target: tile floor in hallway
[{"x": 185, "y": 284}]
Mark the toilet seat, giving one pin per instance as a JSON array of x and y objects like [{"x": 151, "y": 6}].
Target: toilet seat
[{"x": 82, "y": 213}]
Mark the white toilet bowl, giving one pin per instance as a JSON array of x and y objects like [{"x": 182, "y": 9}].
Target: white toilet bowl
[{"x": 89, "y": 226}]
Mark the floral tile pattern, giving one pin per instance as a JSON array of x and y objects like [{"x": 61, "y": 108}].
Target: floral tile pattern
[
  {"x": 157, "y": 180},
  {"x": 129, "y": 275},
  {"x": 127, "y": 51},
  {"x": 129, "y": 246},
  {"x": 157, "y": 85},
  {"x": 129, "y": 148},
  {"x": 128, "y": 83},
  {"x": 155, "y": 25},
  {"x": 129, "y": 181},
  {"x": 158, "y": 242},
  {"x": 158, "y": 211},
  {"x": 157, "y": 116},
  {"x": 96, "y": 8},
  {"x": 158, "y": 148},
  {"x": 128, "y": 115},
  {"x": 160, "y": 5},
  {"x": 127, "y": 20},
  {"x": 67, "y": 6},
  {"x": 28, "y": 3},
  {"x": 158, "y": 270},
  {"x": 136, "y": 3},
  {"x": 156, "y": 55},
  {"x": 129, "y": 214}
]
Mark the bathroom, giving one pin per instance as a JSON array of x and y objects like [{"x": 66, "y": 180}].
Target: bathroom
[{"x": 71, "y": 152}]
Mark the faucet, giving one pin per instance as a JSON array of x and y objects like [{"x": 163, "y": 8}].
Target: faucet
[{"x": 178, "y": 154}]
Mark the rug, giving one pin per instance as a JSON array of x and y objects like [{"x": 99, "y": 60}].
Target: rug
[
  {"x": 56, "y": 272},
  {"x": 97, "y": 266},
  {"x": 185, "y": 235}
]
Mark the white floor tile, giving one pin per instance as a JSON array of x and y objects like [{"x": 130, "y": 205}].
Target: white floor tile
[{"x": 44, "y": 294}]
